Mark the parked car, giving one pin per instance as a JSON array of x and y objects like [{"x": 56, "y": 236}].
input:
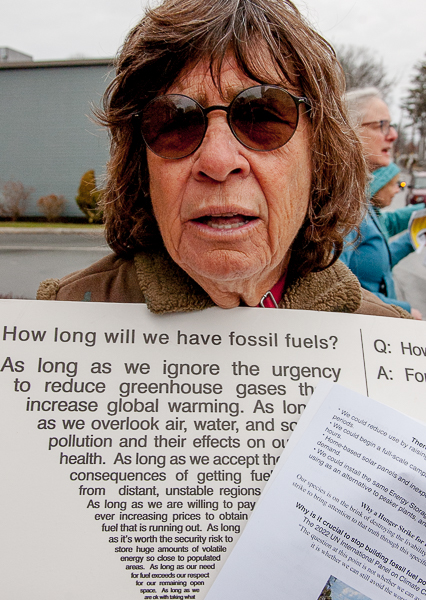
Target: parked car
[{"x": 416, "y": 188}]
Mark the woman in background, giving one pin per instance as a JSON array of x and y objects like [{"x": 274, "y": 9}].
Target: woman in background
[
  {"x": 371, "y": 256},
  {"x": 392, "y": 221},
  {"x": 368, "y": 255},
  {"x": 369, "y": 114}
]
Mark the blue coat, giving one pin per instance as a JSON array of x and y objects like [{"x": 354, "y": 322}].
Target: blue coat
[{"x": 373, "y": 257}]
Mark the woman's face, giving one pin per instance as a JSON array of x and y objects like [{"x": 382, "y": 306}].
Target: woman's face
[
  {"x": 228, "y": 215},
  {"x": 384, "y": 196},
  {"x": 377, "y": 146}
]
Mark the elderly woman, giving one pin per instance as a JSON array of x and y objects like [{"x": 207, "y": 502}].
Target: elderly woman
[
  {"x": 370, "y": 256},
  {"x": 369, "y": 113},
  {"x": 234, "y": 174}
]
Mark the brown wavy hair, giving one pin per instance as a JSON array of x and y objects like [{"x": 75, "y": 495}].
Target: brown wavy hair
[{"x": 174, "y": 37}]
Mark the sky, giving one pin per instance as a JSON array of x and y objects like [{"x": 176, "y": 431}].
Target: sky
[{"x": 395, "y": 30}]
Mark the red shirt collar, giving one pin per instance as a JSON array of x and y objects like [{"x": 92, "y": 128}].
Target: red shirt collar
[{"x": 272, "y": 298}]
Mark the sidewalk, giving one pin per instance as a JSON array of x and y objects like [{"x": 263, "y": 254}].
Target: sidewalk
[{"x": 47, "y": 230}]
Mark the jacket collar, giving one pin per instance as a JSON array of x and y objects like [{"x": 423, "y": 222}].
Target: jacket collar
[{"x": 167, "y": 288}]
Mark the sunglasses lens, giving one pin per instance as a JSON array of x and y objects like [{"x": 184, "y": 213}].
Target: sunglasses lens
[
  {"x": 264, "y": 117},
  {"x": 173, "y": 126}
]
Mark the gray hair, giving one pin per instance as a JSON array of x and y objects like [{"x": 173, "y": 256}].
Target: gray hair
[{"x": 357, "y": 101}]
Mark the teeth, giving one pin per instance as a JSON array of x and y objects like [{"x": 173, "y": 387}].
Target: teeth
[{"x": 226, "y": 225}]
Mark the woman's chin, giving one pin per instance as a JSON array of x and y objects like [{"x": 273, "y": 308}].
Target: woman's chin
[{"x": 222, "y": 267}]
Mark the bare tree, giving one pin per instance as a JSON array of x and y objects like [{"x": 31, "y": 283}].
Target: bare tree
[
  {"x": 415, "y": 104},
  {"x": 363, "y": 68},
  {"x": 51, "y": 206},
  {"x": 14, "y": 197},
  {"x": 327, "y": 593}
]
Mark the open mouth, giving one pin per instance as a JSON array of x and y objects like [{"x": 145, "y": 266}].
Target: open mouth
[{"x": 225, "y": 220}]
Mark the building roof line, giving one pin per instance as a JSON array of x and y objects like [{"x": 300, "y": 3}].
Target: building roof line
[{"x": 51, "y": 64}]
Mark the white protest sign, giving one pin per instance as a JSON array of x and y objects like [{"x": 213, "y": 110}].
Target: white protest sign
[{"x": 134, "y": 446}]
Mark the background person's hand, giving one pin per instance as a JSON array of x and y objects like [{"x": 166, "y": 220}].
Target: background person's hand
[{"x": 416, "y": 314}]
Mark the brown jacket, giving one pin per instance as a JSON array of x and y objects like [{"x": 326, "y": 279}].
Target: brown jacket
[{"x": 156, "y": 280}]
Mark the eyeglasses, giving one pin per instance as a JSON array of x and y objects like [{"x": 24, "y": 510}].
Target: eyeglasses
[
  {"x": 262, "y": 118},
  {"x": 384, "y": 125}
]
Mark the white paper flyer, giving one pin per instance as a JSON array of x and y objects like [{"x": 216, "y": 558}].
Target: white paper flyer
[{"x": 345, "y": 514}]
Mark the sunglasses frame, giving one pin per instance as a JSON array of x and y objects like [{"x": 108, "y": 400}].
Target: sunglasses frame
[{"x": 298, "y": 100}]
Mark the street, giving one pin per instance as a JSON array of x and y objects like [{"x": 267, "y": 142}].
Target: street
[
  {"x": 29, "y": 256},
  {"x": 410, "y": 272},
  {"x": 410, "y": 281}
]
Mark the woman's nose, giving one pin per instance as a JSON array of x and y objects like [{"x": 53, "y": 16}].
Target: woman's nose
[
  {"x": 392, "y": 134},
  {"x": 220, "y": 154}
]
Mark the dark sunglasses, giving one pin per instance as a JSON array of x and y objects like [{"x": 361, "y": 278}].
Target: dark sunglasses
[
  {"x": 262, "y": 118},
  {"x": 384, "y": 125}
]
